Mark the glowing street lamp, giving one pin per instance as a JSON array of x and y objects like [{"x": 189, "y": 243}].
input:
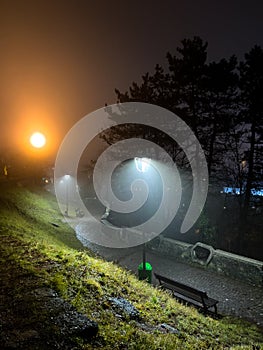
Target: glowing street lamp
[
  {"x": 142, "y": 164},
  {"x": 38, "y": 140}
]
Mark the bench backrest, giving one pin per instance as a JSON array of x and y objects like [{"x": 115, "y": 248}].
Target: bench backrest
[{"x": 186, "y": 290}]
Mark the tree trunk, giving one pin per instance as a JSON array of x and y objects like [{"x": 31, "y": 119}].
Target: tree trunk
[{"x": 243, "y": 222}]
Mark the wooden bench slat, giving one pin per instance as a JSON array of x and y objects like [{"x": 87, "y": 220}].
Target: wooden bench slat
[
  {"x": 188, "y": 300},
  {"x": 187, "y": 293},
  {"x": 179, "y": 290}
]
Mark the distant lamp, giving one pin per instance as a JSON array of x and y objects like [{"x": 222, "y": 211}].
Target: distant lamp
[
  {"x": 142, "y": 164},
  {"x": 38, "y": 140}
]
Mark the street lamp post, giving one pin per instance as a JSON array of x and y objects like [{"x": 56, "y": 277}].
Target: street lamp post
[
  {"x": 142, "y": 166},
  {"x": 67, "y": 204},
  {"x": 37, "y": 141},
  {"x": 143, "y": 258}
]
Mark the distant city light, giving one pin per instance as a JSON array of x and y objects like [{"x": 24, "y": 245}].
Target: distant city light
[
  {"x": 236, "y": 191},
  {"x": 142, "y": 164},
  {"x": 232, "y": 190},
  {"x": 257, "y": 192}
]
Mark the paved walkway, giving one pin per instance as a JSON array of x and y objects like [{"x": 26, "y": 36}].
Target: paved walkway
[{"x": 235, "y": 297}]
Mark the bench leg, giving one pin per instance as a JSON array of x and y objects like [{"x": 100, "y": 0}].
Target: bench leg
[{"x": 215, "y": 309}]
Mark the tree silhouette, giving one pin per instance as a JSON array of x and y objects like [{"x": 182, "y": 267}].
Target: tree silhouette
[
  {"x": 222, "y": 103},
  {"x": 251, "y": 88}
]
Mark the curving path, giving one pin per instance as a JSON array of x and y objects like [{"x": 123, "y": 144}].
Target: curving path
[{"x": 235, "y": 297}]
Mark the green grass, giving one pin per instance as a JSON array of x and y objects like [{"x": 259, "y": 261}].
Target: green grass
[{"x": 57, "y": 259}]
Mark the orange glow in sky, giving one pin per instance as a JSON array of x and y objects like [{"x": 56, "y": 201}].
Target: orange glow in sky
[{"x": 31, "y": 118}]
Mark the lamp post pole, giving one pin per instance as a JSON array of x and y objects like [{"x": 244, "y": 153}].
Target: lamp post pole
[
  {"x": 143, "y": 258},
  {"x": 67, "y": 190},
  {"x": 142, "y": 165},
  {"x": 67, "y": 197}
]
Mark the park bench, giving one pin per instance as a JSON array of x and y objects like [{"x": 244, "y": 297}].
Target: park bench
[{"x": 188, "y": 294}]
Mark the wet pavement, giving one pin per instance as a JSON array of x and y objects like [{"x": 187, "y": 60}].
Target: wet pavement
[{"x": 236, "y": 297}]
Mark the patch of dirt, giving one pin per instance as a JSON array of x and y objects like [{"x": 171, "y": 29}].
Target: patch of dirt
[{"x": 33, "y": 316}]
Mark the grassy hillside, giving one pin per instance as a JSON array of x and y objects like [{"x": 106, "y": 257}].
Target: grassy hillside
[{"x": 36, "y": 253}]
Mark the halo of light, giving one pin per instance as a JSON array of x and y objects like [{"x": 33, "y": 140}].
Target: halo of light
[
  {"x": 90, "y": 228},
  {"x": 38, "y": 140}
]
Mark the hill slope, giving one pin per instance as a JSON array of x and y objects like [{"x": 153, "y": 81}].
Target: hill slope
[{"x": 41, "y": 257}]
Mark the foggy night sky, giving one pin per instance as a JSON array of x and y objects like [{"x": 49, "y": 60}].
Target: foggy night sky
[{"x": 61, "y": 60}]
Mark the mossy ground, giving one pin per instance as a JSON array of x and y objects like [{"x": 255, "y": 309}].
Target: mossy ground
[{"x": 54, "y": 258}]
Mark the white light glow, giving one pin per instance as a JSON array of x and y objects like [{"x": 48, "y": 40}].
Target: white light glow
[{"x": 142, "y": 164}]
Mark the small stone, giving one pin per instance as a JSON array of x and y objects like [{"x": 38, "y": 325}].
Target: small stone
[
  {"x": 168, "y": 329},
  {"x": 126, "y": 307},
  {"x": 75, "y": 324}
]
